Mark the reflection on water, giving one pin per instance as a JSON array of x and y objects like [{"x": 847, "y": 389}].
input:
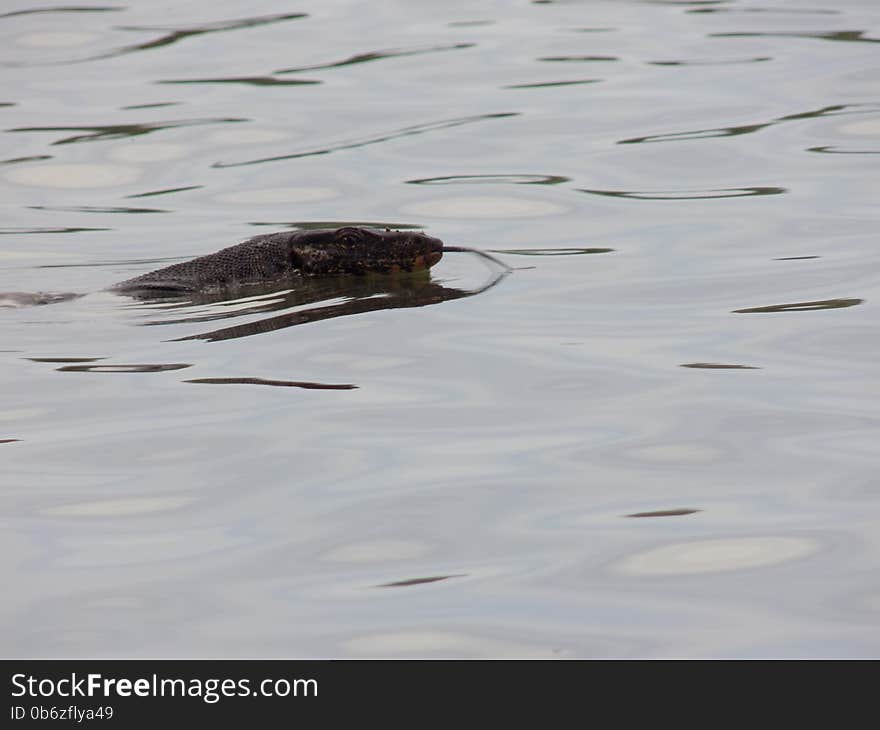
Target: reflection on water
[
  {"x": 141, "y": 368},
  {"x": 31, "y": 158},
  {"x": 826, "y": 111},
  {"x": 687, "y": 194},
  {"x": 120, "y": 131},
  {"x": 848, "y": 36},
  {"x": 318, "y": 225},
  {"x": 579, "y": 59},
  {"x": 665, "y": 513},
  {"x": 333, "y": 297},
  {"x": 546, "y": 84},
  {"x": 717, "y": 366},
  {"x": 706, "y": 62},
  {"x": 247, "y": 80},
  {"x": 552, "y": 251},
  {"x": 734, "y": 9},
  {"x": 64, "y": 359},
  {"x": 713, "y": 556},
  {"x": 97, "y": 209},
  {"x": 376, "y": 56},
  {"x": 371, "y": 140},
  {"x": 590, "y": 459},
  {"x": 420, "y": 581},
  {"x": 803, "y": 306},
  {"x": 280, "y": 383},
  {"x": 169, "y": 35},
  {"x": 493, "y": 179},
  {"x": 168, "y": 191},
  {"x": 41, "y": 231},
  {"x": 272, "y": 80},
  {"x": 828, "y": 149}
]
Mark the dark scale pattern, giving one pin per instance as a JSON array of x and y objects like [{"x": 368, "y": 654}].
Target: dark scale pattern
[
  {"x": 341, "y": 251},
  {"x": 258, "y": 259}
]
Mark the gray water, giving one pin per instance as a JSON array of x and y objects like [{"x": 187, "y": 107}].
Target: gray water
[{"x": 658, "y": 437}]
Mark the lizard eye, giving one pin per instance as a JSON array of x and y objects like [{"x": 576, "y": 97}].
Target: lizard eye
[{"x": 348, "y": 236}]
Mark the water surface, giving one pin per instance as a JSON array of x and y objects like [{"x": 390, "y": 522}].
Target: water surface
[{"x": 656, "y": 438}]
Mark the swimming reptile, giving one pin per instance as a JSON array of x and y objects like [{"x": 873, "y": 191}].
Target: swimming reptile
[
  {"x": 276, "y": 256},
  {"x": 272, "y": 256}
]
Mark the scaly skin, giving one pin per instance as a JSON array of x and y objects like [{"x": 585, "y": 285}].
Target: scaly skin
[{"x": 305, "y": 253}]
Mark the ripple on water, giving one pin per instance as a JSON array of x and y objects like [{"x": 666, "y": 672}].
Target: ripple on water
[
  {"x": 716, "y": 556},
  {"x": 280, "y": 383},
  {"x": 550, "y": 84},
  {"x": 441, "y": 643},
  {"x": 73, "y": 175},
  {"x": 271, "y": 196},
  {"x": 349, "y": 144},
  {"x": 566, "y": 251},
  {"x": 802, "y": 306},
  {"x": 140, "y": 368},
  {"x": 717, "y": 366},
  {"x": 680, "y": 512},
  {"x": 127, "y": 507},
  {"x": 484, "y": 207},
  {"x": 378, "y": 551},
  {"x": 687, "y": 194},
  {"x": 248, "y": 136},
  {"x": 420, "y": 581},
  {"x": 57, "y": 39},
  {"x": 148, "y": 152},
  {"x": 513, "y": 179}
]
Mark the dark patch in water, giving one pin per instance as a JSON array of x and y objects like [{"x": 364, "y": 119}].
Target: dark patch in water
[
  {"x": 364, "y": 141},
  {"x": 704, "y": 62},
  {"x": 551, "y": 251},
  {"x": 271, "y": 80},
  {"x": 167, "y": 191},
  {"x": 247, "y": 80},
  {"x": 318, "y": 225},
  {"x": 32, "y": 158},
  {"x": 420, "y": 581},
  {"x": 325, "y": 298},
  {"x": 803, "y": 306},
  {"x": 547, "y": 84},
  {"x": 665, "y": 513},
  {"x": 688, "y": 194},
  {"x": 122, "y": 131},
  {"x": 64, "y": 359},
  {"x": 733, "y": 131},
  {"x": 717, "y": 366},
  {"x": 283, "y": 383},
  {"x": 848, "y": 36},
  {"x": 96, "y": 209},
  {"x": 156, "y": 105},
  {"x": 65, "y": 9},
  {"x": 141, "y": 368},
  {"x": 93, "y": 264},
  {"x": 796, "y": 258},
  {"x": 805, "y": 11},
  {"x": 513, "y": 179},
  {"x": 567, "y": 59},
  {"x": 175, "y": 35},
  {"x": 831, "y": 150},
  {"x": 21, "y": 231},
  {"x": 376, "y": 56}
]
